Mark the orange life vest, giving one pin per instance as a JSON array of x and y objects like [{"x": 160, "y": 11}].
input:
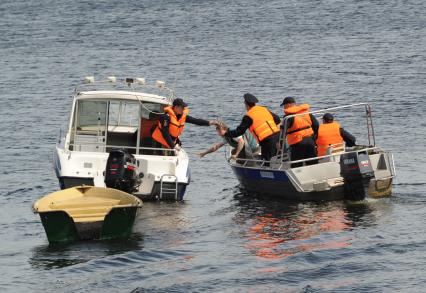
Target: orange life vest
[
  {"x": 263, "y": 124},
  {"x": 302, "y": 125},
  {"x": 328, "y": 134},
  {"x": 175, "y": 126}
]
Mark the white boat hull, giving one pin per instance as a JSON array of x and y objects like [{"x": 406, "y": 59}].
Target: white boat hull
[{"x": 74, "y": 168}]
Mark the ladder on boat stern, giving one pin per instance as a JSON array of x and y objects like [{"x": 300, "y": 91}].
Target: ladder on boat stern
[{"x": 169, "y": 188}]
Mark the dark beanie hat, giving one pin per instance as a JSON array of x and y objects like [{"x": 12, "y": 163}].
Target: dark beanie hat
[
  {"x": 328, "y": 117},
  {"x": 288, "y": 100},
  {"x": 179, "y": 102},
  {"x": 250, "y": 99}
]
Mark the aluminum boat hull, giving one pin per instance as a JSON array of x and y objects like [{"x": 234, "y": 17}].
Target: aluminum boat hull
[{"x": 276, "y": 183}]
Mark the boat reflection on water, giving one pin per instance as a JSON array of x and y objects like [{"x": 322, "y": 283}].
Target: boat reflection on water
[
  {"x": 279, "y": 229},
  {"x": 52, "y": 256}
]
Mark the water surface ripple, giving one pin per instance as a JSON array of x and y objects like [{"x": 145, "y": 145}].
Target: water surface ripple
[{"x": 323, "y": 52}]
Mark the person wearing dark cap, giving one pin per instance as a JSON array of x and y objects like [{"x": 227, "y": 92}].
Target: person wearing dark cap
[
  {"x": 301, "y": 131},
  {"x": 330, "y": 133},
  {"x": 262, "y": 123},
  {"x": 172, "y": 122}
]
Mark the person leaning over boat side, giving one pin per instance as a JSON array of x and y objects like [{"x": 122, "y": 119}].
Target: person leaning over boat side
[
  {"x": 236, "y": 143},
  {"x": 330, "y": 133},
  {"x": 301, "y": 131},
  {"x": 262, "y": 123},
  {"x": 172, "y": 122}
]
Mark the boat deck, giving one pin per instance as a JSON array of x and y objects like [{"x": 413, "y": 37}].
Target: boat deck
[
  {"x": 86, "y": 209},
  {"x": 86, "y": 204}
]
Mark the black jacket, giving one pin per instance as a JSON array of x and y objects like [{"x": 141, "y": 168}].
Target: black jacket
[
  {"x": 348, "y": 138},
  {"x": 245, "y": 124}
]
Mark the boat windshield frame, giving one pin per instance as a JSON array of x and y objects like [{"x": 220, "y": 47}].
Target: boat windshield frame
[{"x": 104, "y": 126}]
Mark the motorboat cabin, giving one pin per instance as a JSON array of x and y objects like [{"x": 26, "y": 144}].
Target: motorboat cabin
[{"x": 111, "y": 115}]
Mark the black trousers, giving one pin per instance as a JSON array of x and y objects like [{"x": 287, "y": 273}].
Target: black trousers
[
  {"x": 268, "y": 146},
  {"x": 303, "y": 150}
]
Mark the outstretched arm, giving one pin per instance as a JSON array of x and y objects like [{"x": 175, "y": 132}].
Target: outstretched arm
[
  {"x": 199, "y": 122},
  {"x": 214, "y": 148},
  {"x": 244, "y": 125}
]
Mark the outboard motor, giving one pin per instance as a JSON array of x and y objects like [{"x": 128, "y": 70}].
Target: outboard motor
[
  {"x": 122, "y": 171},
  {"x": 356, "y": 170}
]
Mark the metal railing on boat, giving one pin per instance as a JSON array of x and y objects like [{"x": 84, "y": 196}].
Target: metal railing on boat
[
  {"x": 103, "y": 148},
  {"x": 283, "y": 151},
  {"x": 282, "y": 159},
  {"x": 276, "y": 164}
]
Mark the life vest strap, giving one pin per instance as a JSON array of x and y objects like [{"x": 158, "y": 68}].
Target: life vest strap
[
  {"x": 178, "y": 126},
  {"x": 267, "y": 122},
  {"x": 299, "y": 129}
]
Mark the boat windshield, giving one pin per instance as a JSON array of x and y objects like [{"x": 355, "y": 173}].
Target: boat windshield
[{"x": 103, "y": 125}]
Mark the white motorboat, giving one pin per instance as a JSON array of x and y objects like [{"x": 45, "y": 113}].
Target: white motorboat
[
  {"x": 117, "y": 115},
  {"x": 353, "y": 173}
]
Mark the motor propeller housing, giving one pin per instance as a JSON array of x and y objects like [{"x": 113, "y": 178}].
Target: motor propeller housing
[{"x": 122, "y": 171}]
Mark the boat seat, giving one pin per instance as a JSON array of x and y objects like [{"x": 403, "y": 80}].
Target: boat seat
[
  {"x": 84, "y": 203},
  {"x": 334, "y": 149},
  {"x": 337, "y": 148},
  {"x": 85, "y": 214}
]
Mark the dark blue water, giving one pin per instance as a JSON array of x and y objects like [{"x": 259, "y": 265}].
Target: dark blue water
[{"x": 325, "y": 53}]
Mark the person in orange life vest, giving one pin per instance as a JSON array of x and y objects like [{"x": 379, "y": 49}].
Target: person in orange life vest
[
  {"x": 330, "y": 133},
  {"x": 301, "y": 132},
  {"x": 262, "y": 124},
  {"x": 171, "y": 123}
]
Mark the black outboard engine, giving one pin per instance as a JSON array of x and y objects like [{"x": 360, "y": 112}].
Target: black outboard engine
[
  {"x": 122, "y": 171},
  {"x": 356, "y": 170}
]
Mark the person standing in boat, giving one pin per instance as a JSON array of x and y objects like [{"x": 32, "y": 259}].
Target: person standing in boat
[
  {"x": 172, "y": 122},
  {"x": 301, "y": 131},
  {"x": 262, "y": 123},
  {"x": 330, "y": 133}
]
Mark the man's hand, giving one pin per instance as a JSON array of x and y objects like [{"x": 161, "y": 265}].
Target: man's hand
[
  {"x": 233, "y": 157},
  {"x": 177, "y": 147},
  {"x": 213, "y": 122}
]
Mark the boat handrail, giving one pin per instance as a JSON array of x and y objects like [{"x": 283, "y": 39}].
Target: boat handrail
[
  {"x": 370, "y": 128},
  {"x": 337, "y": 154},
  {"x": 267, "y": 164},
  {"x": 172, "y": 151}
]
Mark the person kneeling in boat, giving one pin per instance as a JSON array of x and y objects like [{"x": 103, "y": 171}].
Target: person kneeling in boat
[
  {"x": 301, "y": 132},
  {"x": 243, "y": 146},
  {"x": 330, "y": 134},
  {"x": 172, "y": 122},
  {"x": 262, "y": 123}
]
